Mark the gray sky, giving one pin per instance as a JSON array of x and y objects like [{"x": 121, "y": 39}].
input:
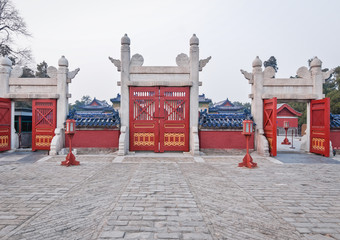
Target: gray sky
[{"x": 232, "y": 32}]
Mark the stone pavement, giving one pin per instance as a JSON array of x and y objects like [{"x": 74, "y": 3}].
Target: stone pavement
[{"x": 168, "y": 197}]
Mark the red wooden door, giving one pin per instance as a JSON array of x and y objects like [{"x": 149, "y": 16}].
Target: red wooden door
[
  {"x": 5, "y": 124},
  {"x": 144, "y": 109},
  {"x": 269, "y": 123},
  {"x": 159, "y": 119},
  {"x": 174, "y": 119},
  {"x": 44, "y": 121},
  {"x": 319, "y": 126}
]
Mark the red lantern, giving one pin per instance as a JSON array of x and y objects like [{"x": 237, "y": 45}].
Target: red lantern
[
  {"x": 286, "y": 126},
  {"x": 70, "y": 131},
  {"x": 247, "y": 131}
]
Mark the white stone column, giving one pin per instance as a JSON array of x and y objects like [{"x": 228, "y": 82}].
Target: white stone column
[
  {"x": 5, "y": 71},
  {"x": 261, "y": 143},
  {"x": 62, "y": 90},
  {"x": 124, "y": 104},
  {"x": 194, "y": 91},
  {"x": 317, "y": 77}
]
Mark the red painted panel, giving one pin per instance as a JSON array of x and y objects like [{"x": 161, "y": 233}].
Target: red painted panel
[
  {"x": 174, "y": 119},
  {"x": 335, "y": 138},
  {"x": 106, "y": 138},
  {"x": 44, "y": 122},
  {"x": 293, "y": 122},
  {"x": 269, "y": 123},
  {"x": 5, "y": 124},
  {"x": 319, "y": 130},
  {"x": 224, "y": 140}
]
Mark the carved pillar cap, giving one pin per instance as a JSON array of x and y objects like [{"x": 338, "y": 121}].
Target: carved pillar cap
[
  {"x": 194, "y": 40},
  {"x": 315, "y": 62},
  {"x": 5, "y": 61},
  {"x": 63, "y": 62},
  {"x": 125, "y": 40},
  {"x": 257, "y": 62}
]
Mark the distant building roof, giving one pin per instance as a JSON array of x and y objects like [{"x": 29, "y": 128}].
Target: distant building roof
[
  {"x": 225, "y": 107},
  {"x": 222, "y": 121},
  {"x": 286, "y": 107},
  {"x": 203, "y": 99},
  {"x": 95, "y": 120},
  {"x": 116, "y": 99},
  {"x": 96, "y": 105}
]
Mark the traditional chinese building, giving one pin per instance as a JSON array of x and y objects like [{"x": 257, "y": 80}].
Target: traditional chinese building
[
  {"x": 225, "y": 107},
  {"x": 204, "y": 103},
  {"x": 287, "y": 113}
]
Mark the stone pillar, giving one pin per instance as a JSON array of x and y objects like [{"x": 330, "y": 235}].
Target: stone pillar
[
  {"x": 194, "y": 92},
  {"x": 261, "y": 143},
  {"x": 14, "y": 136},
  {"x": 62, "y": 90},
  {"x": 5, "y": 71},
  {"x": 124, "y": 107},
  {"x": 317, "y": 77}
]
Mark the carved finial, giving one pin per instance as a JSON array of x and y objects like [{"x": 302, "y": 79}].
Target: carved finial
[
  {"x": 194, "y": 40},
  {"x": 269, "y": 72},
  {"x": 63, "y": 62},
  {"x": 316, "y": 62},
  {"x": 6, "y": 62},
  {"x": 125, "y": 40},
  {"x": 182, "y": 60},
  {"x": 17, "y": 72},
  {"x": 52, "y": 72},
  {"x": 137, "y": 60},
  {"x": 203, "y": 62},
  {"x": 257, "y": 62},
  {"x": 72, "y": 74},
  {"x": 304, "y": 73},
  {"x": 117, "y": 63}
]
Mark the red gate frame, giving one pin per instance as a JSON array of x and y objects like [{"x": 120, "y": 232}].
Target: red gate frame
[
  {"x": 158, "y": 133},
  {"x": 5, "y": 124},
  {"x": 42, "y": 127},
  {"x": 269, "y": 124},
  {"x": 320, "y": 126}
]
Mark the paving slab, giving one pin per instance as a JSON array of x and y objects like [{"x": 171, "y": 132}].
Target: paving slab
[{"x": 172, "y": 196}]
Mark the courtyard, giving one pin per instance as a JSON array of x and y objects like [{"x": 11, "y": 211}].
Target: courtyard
[{"x": 168, "y": 196}]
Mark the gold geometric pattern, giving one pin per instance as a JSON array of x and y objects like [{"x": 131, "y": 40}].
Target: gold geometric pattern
[
  {"x": 174, "y": 139},
  {"x": 43, "y": 140},
  {"x": 317, "y": 144},
  {"x": 3, "y": 141},
  {"x": 144, "y": 139}
]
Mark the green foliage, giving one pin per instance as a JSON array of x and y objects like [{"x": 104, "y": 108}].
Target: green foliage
[
  {"x": 302, "y": 108},
  {"x": 83, "y": 101},
  {"x": 331, "y": 89},
  {"x": 27, "y": 72},
  {"x": 41, "y": 70},
  {"x": 271, "y": 62}
]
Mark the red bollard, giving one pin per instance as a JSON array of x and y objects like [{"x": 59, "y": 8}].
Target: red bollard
[
  {"x": 286, "y": 126},
  {"x": 70, "y": 131},
  {"x": 247, "y": 131}
]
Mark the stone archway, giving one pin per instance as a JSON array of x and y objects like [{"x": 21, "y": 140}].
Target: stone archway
[{"x": 306, "y": 86}]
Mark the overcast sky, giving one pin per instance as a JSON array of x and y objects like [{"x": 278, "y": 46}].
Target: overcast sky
[{"x": 232, "y": 32}]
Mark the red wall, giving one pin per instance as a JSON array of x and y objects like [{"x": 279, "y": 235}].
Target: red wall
[
  {"x": 293, "y": 122},
  {"x": 335, "y": 138},
  {"x": 101, "y": 138},
  {"x": 224, "y": 140}
]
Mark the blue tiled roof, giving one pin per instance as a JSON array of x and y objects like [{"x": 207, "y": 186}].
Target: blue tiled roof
[
  {"x": 95, "y": 120},
  {"x": 335, "y": 121},
  {"x": 222, "y": 121}
]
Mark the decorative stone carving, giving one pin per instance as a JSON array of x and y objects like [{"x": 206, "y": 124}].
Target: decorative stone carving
[
  {"x": 72, "y": 74},
  {"x": 303, "y": 72},
  {"x": 137, "y": 60},
  {"x": 17, "y": 72},
  {"x": 52, "y": 72},
  {"x": 117, "y": 63},
  {"x": 247, "y": 75},
  {"x": 203, "y": 62},
  {"x": 269, "y": 72},
  {"x": 63, "y": 62},
  {"x": 182, "y": 60},
  {"x": 327, "y": 74}
]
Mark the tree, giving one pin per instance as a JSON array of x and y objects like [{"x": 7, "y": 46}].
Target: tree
[
  {"x": 332, "y": 90},
  {"x": 271, "y": 62},
  {"x": 27, "y": 72},
  {"x": 12, "y": 25},
  {"x": 41, "y": 70}
]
